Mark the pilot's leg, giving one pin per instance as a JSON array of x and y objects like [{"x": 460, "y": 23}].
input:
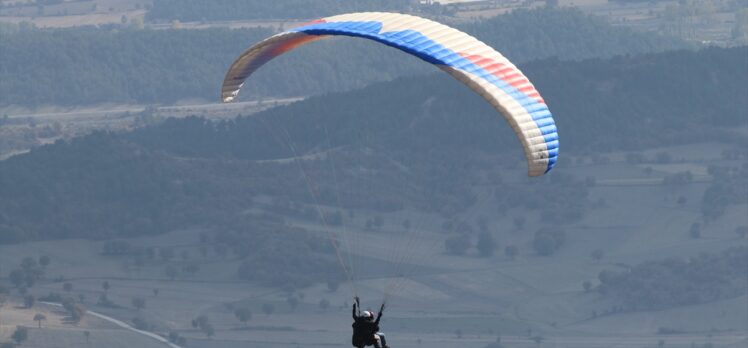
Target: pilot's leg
[
  {"x": 377, "y": 341},
  {"x": 382, "y": 339}
]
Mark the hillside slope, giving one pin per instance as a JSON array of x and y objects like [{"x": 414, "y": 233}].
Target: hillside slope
[{"x": 87, "y": 66}]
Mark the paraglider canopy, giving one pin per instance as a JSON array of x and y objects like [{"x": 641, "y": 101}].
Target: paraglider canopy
[{"x": 467, "y": 59}]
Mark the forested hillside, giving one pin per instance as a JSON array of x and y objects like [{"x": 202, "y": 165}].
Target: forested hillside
[
  {"x": 87, "y": 66},
  {"x": 600, "y": 105},
  {"x": 677, "y": 281},
  {"x": 428, "y": 132},
  {"x": 564, "y": 33},
  {"x": 144, "y": 181}
]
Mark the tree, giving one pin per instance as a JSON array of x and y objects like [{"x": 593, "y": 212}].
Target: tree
[
  {"x": 29, "y": 300},
  {"x": 243, "y": 314},
  {"x": 142, "y": 324},
  {"x": 221, "y": 250},
  {"x": 496, "y": 344},
  {"x": 200, "y": 320},
  {"x": 457, "y": 245},
  {"x": 138, "y": 302},
  {"x": 333, "y": 284},
  {"x": 590, "y": 181},
  {"x": 21, "y": 334},
  {"x": 28, "y": 264},
  {"x": 191, "y": 268},
  {"x": 137, "y": 22},
  {"x": 324, "y": 304},
  {"x": 208, "y": 330},
  {"x": 537, "y": 339},
  {"x": 597, "y": 255},
  {"x": 106, "y": 286},
  {"x": 663, "y": 157},
  {"x": 406, "y": 224},
  {"x": 334, "y": 218},
  {"x": 171, "y": 272},
  {"x": 173, "y": 337},
  {"x": 482, "y": 222},
  {"x": 681, "y": 201},
  {"x": 44, "y": 261},
  {"x": 378, "y": 222},
  {"x": 486, "y": 244},
  {"x": 544, "y": 245},
  {"x": 68, "y": 287},
  {"x": 76, "y": 310},
  {"x": 79, "y": 311},
  {"x": 511, "y": 252},
  {"x": 166, "y": 253},
  {"x": 176, "y": 339},
  {"x": 203, "y": 323},
  {"x": 104, "y": 301},
  {"x": 268, "y": 308},
  {"x": 156, "y": 292},
  {"x": 741, "y": 231},
  {"x": 548, "y": 240},
  {"x": 39, "y": 318},
  {"x": 587, "y": 285},
  {"x": 17, "y": 277},
  {"x": 293, "y": 302},
  {"x": 695, "y": 230}
]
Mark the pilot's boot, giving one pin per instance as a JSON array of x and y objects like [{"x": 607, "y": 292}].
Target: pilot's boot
[{"x": 384, "y": 340}]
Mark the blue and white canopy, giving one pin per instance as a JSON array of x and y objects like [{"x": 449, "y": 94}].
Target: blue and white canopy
[{"x": 469, "y": 60}]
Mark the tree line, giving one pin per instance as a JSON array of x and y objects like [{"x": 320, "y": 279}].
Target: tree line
[
  {"x": 89, "y": 65},
  {"x": 676, "y": 282}
]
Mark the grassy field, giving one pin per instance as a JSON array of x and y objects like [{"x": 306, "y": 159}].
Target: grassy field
[
  {"x": 28, "y": 128},
  {"x": 74, "y": 13},
  {"x": 58, "y": 331}
]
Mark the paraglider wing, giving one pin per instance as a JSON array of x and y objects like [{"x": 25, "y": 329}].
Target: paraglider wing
[{"x": 469, "y": 60}]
